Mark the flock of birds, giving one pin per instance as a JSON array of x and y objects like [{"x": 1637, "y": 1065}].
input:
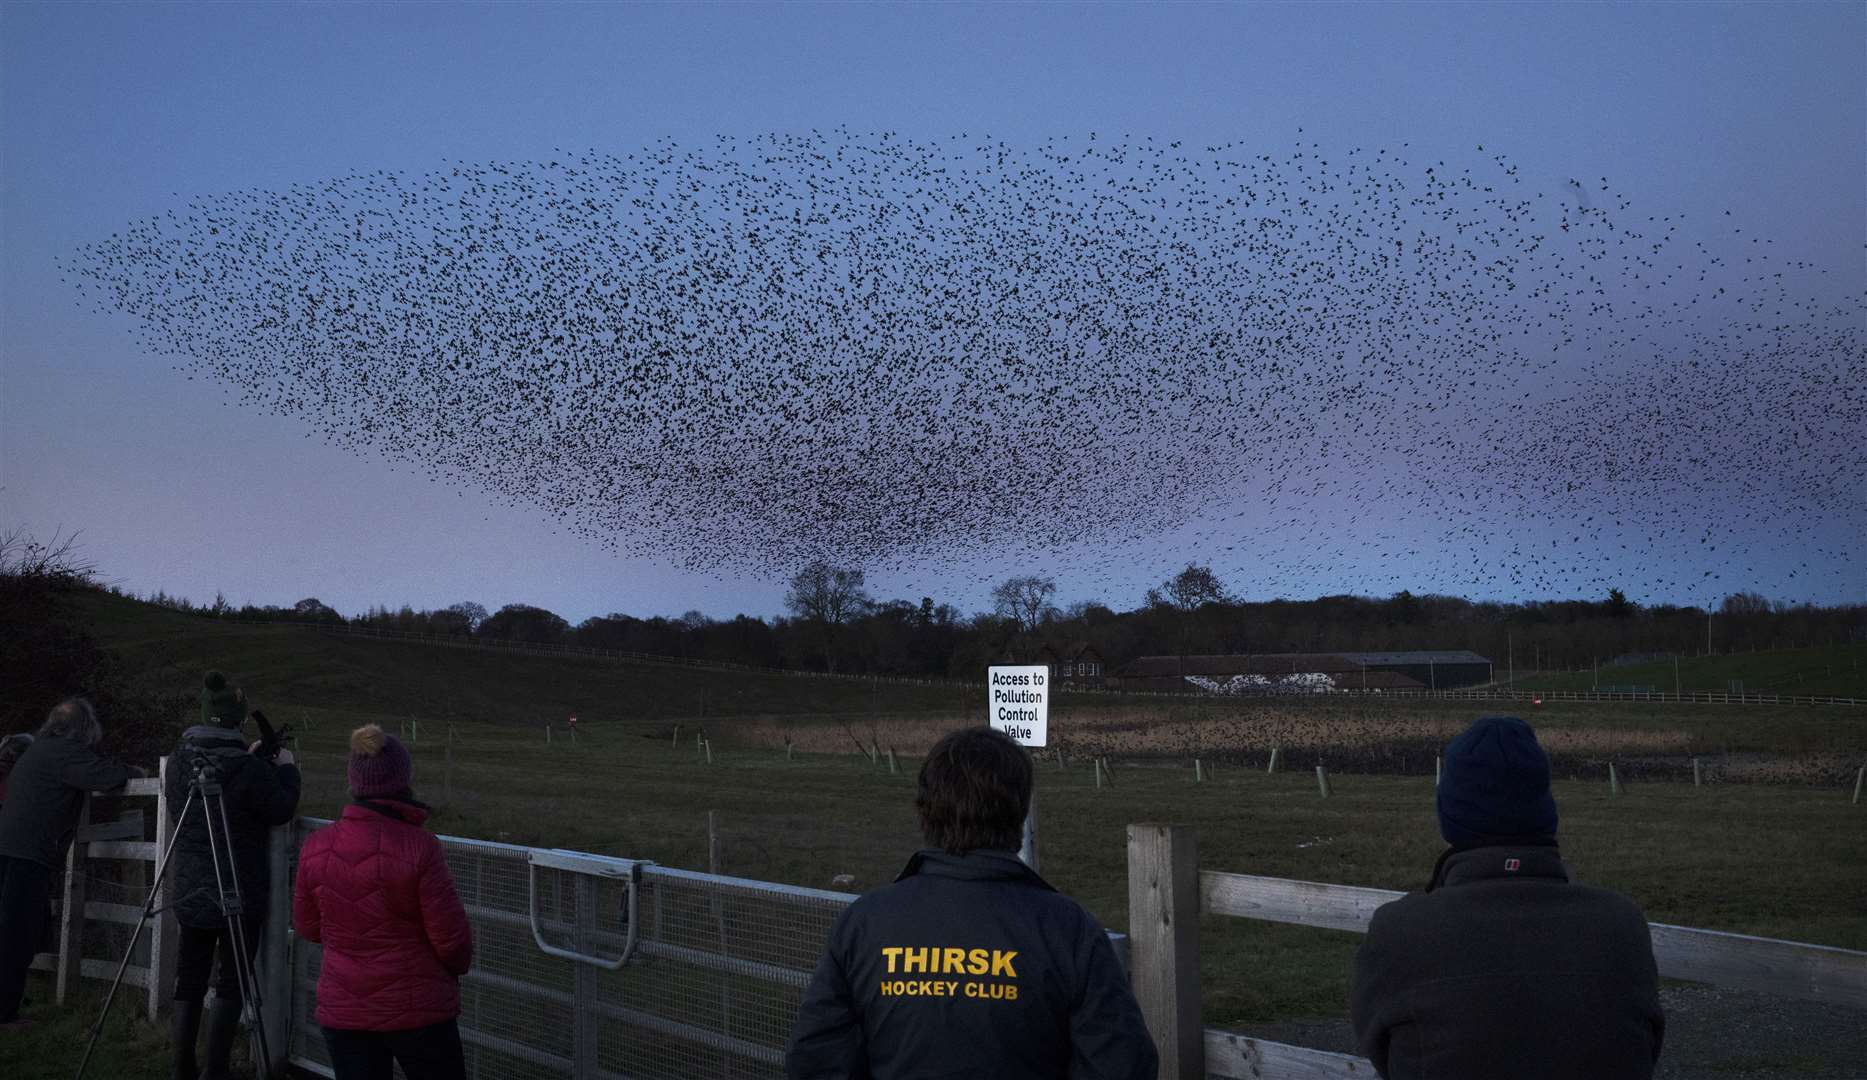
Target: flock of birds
[{"x": 898, "y": 354}]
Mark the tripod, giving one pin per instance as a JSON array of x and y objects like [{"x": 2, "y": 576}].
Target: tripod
[{"x": 203, "y": 788}]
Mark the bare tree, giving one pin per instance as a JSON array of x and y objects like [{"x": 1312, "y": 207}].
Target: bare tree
[
  {"x": 1188, "y": 591},
  {"x": 1025, "y": 601},
  {"x": 471, "y": 614},
  {"x": 828, "y": 596},
  {"x": 1193, "y": 588}
]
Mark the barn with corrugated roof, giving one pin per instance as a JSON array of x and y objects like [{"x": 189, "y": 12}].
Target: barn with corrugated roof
[{"x": 1444, "y": 669}]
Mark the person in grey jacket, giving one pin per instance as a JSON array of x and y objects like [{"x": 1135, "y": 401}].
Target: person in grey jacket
[
  {"x": 1503, "y": 966},
  {"x": 44, "y": 794}
]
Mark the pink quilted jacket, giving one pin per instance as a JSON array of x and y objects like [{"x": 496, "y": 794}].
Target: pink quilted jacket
[{"x": 375, "y": 891}]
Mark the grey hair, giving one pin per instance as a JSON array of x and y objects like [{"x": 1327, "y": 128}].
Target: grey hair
[{"x": 73, "y": 718}]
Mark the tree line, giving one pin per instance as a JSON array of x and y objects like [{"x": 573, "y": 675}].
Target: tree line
[{"x": 833, "y": 623}]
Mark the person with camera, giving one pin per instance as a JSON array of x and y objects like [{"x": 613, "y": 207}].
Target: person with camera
[
  {"x": 45, "y": 792},
  {"x": 257, "y": 794},
  {"x": 970, "y": 964},
  {"x": 373, "y": 888},
  {"x": 1504, "y": 965}
]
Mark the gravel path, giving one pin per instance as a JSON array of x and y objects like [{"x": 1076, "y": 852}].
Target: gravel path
[{"x": 1710, "y": 1032}]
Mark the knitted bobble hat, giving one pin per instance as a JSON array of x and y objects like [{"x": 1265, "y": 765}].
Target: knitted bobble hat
[
  {"x": 379, "y": 764},
  {"x": 221, "y": 705},
  {"x": 1494, "y": 785}
]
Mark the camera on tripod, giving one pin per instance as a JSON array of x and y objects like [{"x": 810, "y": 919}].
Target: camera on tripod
[{"x": 207, "y": 796}]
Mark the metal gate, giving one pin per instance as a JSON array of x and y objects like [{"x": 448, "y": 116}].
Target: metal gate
[{"x": 716, "y": 967}]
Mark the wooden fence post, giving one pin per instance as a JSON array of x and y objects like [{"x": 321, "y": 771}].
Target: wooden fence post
[
  {"x": 709, "y": 748},
  {"x": 675, "y": 743},
  {"x": 1199, "y": 772},
  {"x": 164, "y": 934},
  {"x": 1098, "y": 765},
  {"x": 1614, "y": 780},
  {"x": 1322, "y": 782},
  {"x": 71, "y": 916},
  {"x": 1859, "y": 775},
  {"x": 1435, "y": 770},
  {"x": 1163, "y": 941},
  {"x": 1696, "y": 778},
  {"x": 1272, "y": 767}
]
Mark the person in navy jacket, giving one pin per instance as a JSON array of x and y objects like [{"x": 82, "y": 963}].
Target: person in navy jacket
[
  {"x": 374, "y": 890},
  {"x": 969, "y": 964}
]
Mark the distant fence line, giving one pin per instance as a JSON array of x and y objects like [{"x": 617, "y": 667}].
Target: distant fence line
[{"x": 546, "y": 648}]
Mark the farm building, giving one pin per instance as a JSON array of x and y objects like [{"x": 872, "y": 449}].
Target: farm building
[
  {"x": 1075, "y": 663},
  {"x": 1303, "y": 672}
]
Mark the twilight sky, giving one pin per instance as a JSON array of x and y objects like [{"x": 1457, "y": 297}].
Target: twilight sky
[{"x": 114, "y": 114}]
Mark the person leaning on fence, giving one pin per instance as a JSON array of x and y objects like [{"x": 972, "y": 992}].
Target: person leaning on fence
[
  {"x": 45, "y": 792},
  {"x": 1503, "y": 966},
  {"x": 374, "y": 889},
  {"x": 257, "y": 795},
  {"x": 969, "y": 964}
]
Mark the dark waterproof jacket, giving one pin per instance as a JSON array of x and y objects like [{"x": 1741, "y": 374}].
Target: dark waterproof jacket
[
  {"x": 257, "y": 794},
  {"x": 968, "y": 966},
  {"x": 1506, "y": 968},
  {"x": 44, "y": 794},
  {"x": 373, "y": 888}
]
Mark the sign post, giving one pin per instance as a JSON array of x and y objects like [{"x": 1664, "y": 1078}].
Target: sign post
[{"x": 1018, "y": 704}]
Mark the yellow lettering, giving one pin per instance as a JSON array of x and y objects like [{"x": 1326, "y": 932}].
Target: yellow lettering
[
  {"x": 913, "y": 960},
  {"x": 893, "y": 953},
  {"x": 1001, "y": 963},
  {"x": 972, "y": 990},
  {"x": 978, "y": 962},
  {"x": 952, "y": 961},
  {"x": 951, "y": 989},
  {"x": 1011, "y": 992}
]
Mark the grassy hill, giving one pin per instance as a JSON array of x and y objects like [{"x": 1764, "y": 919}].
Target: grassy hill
[
  {"x": 286, "y": 668},
  {"x": 1833, "y": 671}
]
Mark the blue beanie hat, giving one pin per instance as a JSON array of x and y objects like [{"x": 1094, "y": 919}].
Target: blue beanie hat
[{"x": 1494, "y": 784}]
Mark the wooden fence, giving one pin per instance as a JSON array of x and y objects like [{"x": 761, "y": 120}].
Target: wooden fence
[
  {"x": 1167, "y": 892},
  {"x": 96, "y": 844},
  {"x": 126, "y": 840}
]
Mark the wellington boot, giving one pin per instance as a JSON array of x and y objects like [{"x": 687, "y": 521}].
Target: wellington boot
[
  {"x": 186, "y": 1022},
  {"x": 223, "y": 1026}
]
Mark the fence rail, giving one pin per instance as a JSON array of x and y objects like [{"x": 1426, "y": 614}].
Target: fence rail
[{"x": 1168, "y": 854}]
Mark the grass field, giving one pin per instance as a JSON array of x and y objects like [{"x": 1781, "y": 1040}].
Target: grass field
[
  {"x": 1830, "y": 671},
  {"x": 1782, "y": 859}
]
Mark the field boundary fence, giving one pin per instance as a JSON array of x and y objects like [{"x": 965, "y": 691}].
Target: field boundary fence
[
  {"x": 1168, "y": 891},
  {"x": 544, "y": 648}
]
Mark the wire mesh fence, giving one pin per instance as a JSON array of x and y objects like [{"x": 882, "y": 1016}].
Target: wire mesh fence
[{"x": 717, "y": 968}]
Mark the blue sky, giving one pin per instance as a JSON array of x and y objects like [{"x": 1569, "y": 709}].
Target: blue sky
[{"x": 113, "y": 113}]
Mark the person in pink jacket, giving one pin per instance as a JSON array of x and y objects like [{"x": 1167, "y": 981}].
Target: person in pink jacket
[{"x": 374, "y": 890}]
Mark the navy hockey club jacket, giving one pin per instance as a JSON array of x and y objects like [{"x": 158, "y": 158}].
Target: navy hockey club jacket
[{"x": 969, "y": 965}]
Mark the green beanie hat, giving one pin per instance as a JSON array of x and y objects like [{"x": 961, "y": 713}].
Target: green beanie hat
[{"x": 221, "y": 704}]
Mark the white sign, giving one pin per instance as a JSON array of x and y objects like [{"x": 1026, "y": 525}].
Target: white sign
[{"x": 1019, "y": 702}]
